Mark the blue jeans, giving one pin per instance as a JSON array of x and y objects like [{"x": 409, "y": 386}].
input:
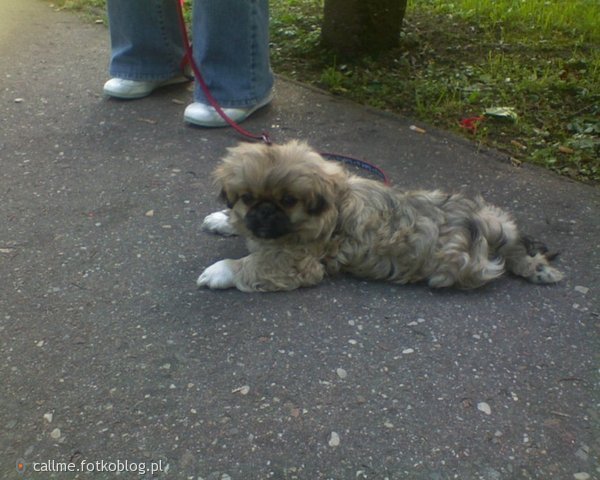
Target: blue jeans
[{"x": 231, "y": 46}]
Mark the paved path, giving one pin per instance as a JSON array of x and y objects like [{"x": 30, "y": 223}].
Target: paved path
[{"x": 110, "y": 354}]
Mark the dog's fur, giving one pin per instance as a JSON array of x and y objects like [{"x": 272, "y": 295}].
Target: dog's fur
[{"x": 305, "y": 217}]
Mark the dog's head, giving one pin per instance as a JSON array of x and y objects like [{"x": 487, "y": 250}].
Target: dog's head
[{"x": 283, "y": 193}]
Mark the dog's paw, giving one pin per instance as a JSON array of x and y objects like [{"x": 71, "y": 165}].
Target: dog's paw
[
  {"x": 218, "y": 275},
  {"x": 546, "y": 274},
  {"x": 218, "y": 222}
]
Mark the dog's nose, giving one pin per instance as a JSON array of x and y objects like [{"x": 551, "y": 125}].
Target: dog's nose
[
  {"x": 266, "y": 220},
  {"x": 265, "y": 210}
]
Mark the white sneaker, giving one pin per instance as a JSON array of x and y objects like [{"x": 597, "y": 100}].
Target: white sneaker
[
  {"x": 130, "y": 89},
  {"x": 206, "y": 116}
]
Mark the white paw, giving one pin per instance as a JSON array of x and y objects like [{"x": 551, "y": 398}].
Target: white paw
[
  {"x": 218, "y": 275},
  {"x": 218, "y": 222}
]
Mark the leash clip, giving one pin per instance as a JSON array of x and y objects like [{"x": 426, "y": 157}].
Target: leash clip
[{"x": 265, "y": 137}]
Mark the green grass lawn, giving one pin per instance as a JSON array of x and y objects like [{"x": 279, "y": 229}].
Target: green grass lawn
[
  {"x": 533, "y": 65},
  {"x": 537, "y": 59}
]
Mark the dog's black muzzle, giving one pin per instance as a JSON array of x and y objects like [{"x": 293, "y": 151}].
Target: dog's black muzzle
[{"x": 266, "y": 220}]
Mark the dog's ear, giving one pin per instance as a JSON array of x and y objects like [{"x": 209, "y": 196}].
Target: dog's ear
[
  {"x": 223, "y": 176},
  {"x": 225, "y": 198},
  {"x": 317, "y": 205},
  {"x": 235, "y": 171}
]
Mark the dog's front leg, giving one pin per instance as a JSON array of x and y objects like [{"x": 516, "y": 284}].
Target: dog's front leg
[
  {"x": 219, "y": 223},
  {"x": 220, "y": 274},
  {"x": 260, "y": 272}
]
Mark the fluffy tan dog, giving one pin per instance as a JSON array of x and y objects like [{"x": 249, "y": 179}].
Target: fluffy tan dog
[{"x": 304, "y": 217}]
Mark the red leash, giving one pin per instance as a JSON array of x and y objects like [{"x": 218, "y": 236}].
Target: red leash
[{"x": 263, "y": 137}]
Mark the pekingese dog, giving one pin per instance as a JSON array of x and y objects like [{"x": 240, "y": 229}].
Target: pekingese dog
[{"x": 304, "y": 217}]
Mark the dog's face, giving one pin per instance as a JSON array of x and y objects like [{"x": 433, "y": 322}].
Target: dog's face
[{"x": 284, "y": 193}]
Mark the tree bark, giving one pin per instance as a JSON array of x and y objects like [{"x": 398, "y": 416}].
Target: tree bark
[{"x": 353, "y": 27}]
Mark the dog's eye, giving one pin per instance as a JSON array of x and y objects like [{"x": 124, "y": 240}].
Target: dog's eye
[
  {"x": 288, "y": 201},
  {"x": 247, "y": 198}
]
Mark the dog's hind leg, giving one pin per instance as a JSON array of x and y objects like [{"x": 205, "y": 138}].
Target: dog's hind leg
[
  {"x": 530, "y": 259},
  {"x": 522, "y": 255}
]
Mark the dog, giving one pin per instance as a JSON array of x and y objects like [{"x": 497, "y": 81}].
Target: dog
[{"x": 305, "y": 217}]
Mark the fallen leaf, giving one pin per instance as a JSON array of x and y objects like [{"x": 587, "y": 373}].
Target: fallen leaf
[
  {"x": 414, "y": 128},
  {"x": 484, "y": 407},
  {"x": 502, "y": 113},
  {"x": 471, "y": 123},
  {"x": 243, "y": 390},
  {"x": 567, "y": 150},
  {"x": 146, "y": 120},
  {"x": 334, "y": 439},
  {"x": 515, "y": 162}
]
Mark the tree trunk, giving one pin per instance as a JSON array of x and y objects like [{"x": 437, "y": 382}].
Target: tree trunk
[{"x": 352, "y": 27}]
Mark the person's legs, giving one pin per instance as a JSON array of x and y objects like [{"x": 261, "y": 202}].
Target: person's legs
[
  {"x": 231, "y": 48},
  {"x": 146, "y": 43}
]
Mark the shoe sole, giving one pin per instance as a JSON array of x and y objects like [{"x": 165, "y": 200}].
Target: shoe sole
[
  {"x": 219, "y": 122},
  {"x": 166, "y": 83}
]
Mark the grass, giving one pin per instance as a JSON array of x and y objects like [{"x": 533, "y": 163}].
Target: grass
[
  {"x": 94, "y": 10},
  {"x": 538, "y": 58},
  {"x": 458, "y": 59}
]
